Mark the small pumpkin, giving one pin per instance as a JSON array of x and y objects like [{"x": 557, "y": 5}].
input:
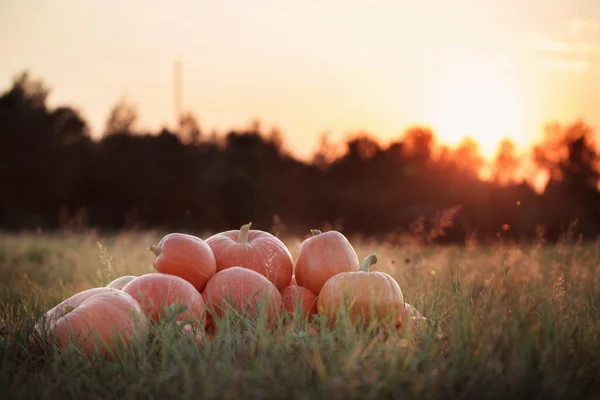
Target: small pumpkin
[
  {"x": 295, "y": 295},
  {"x": 407, "y": 313},
  {"x": 322, "y": 256},
  {"x": 155, "y": 292},
  {"x": 97, "y": 319},
  {"x": 410, "y": 311},
  {"x": 186, "y": 256},
  {"x": 253, "y": 249},
  {"x": 367, "y": 295},
  {"x": 420, "y": 323},
  {"x": 120, "y": 283},
  {"x": 242, "y": 289}
]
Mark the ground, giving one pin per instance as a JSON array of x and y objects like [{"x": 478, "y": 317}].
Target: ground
[{"x": 518, "y": 322}]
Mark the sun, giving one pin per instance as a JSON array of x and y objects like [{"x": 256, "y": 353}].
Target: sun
[{"x": 478, "y": 99}]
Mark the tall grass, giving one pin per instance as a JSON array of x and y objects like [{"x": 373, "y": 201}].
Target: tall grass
[{"x": 517, "y": 322}]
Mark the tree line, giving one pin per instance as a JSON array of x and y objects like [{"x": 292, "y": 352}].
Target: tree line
[{"x": 56, "y": 176}]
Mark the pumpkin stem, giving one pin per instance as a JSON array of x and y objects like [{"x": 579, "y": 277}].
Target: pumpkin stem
[
  {"x": 244, "y": 230},
  {"x": 368, "y": 262},
  {"x": 155, "y": 249},
  {"x": 315, "y": 232}
]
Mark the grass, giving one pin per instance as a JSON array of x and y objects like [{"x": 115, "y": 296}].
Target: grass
[{"x": 518, "y": 322}]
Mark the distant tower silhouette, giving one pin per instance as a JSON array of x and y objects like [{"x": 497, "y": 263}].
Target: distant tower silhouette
[{"x": 177, "y": 94}]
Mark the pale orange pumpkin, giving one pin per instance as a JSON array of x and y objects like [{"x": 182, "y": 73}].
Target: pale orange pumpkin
[
  {"x": 242, "y": 289},
  {"x": 407, "y": 312},
  {"x": 256, "y": 250},
  {"x": 297, "y": 296},
  {"x": 322, "y": 256},
  {"x": 98, "y": 319},
  {"x": 419, "y": 323},
  {"x": 367, "y": 295},
  {"x": 410, "y": 311},
  {"x": 186, "y": 256},
  {"x": 293, "y": 281},
  {"x": 120, "y": 283},
  {"x": 156, "y": 291}
]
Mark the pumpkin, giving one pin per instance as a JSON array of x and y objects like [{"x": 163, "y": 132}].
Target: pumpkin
[
  {"x": 120, "y": 283},
  {"x": 295, "y": 295},
  {"x": 242, "y": 289},
  {"x": 421, "y": 323},
  {"x": 185, "y": 256},
  {"x": 367, "y": 295},
  {"x": 410, "y": 311},
  {"x": 407, "y": 313},
  {"x": 97, "y": 319},
  {"x": 253, "y": 249},
  {"x": 322, "y": 256},
  {"x": 293, "y": 281},
  {"x": 156, "y": 291}
]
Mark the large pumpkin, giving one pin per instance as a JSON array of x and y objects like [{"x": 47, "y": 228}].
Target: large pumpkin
[
  {"x": 322, "y": 256},
  {"x": 155, "y": 292},
  {"x": 242, "y": 289},
  {"x": 297, "y": 296},
  {"x": 366, "y": 295},
  {"x": 185, "y": 256},
  {"x": 256, "y": 250},
  {"x": 97, "y": 319},
  {"x": 120, "y": 283}
]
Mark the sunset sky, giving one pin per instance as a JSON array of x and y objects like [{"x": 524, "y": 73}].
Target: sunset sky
[{"x": 465, "y": 67}]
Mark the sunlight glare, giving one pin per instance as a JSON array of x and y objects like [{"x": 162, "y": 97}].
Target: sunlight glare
[{"x": 475, "y": 98}]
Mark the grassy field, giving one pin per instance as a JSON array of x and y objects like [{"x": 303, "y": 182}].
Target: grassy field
[{"x": 517, "y": 323}]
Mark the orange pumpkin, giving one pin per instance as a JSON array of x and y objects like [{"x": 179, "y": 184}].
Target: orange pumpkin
[
  {"x": 120, "y": 283},
  {"x": 407, "y": 313},
  {"x": 97, "y": 319},
  {"x": 185, "y": 256},
  {"x": 420, "y": 323},
  {"x": 295, "y": 295},
  {"x": 253, "y": 249},
  {"x": 410, "y": 311},
  {"x": 242, "y": 289},
  {"x": 367, "y": 295},
  {"x": 293, "y": 281},
  {"x": 322, "y": 256},
  {"x": 157, "y": 291}
]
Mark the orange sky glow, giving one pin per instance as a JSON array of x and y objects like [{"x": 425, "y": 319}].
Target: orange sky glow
[{"x": 484, "y": 69}]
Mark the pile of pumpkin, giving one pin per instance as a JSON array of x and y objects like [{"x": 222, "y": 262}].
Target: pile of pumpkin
[{"x": 251, "y": 271}]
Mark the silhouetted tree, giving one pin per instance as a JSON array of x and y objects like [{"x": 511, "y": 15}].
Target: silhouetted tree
[
  {"x": 189, "y": 128},
  {"x": 121, "y": 118},
  {"x": 419, "y": 144},
  {"x": 54, "y": 175},
  {"x": 468, "y": 157},
  {"x": 506, "y": 162}
]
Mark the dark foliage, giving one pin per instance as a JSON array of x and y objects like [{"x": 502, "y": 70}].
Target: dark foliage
[{"x": 53, "y": 174}]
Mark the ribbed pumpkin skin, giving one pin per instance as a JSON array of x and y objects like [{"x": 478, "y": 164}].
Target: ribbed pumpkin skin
[
  {"x": 186, "y": 256},
  {"x": 242, "y": 288},
  {"x": 120, "y": 282},
  {"x": 297, "y": 295},
  {"x": 156, "y": 291},
  {"x": 97, "y": 319},
  {"x": 322, "y": 256},
  {"x": 370, "y": 296},
  {"x": 258, "y": 251}
]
